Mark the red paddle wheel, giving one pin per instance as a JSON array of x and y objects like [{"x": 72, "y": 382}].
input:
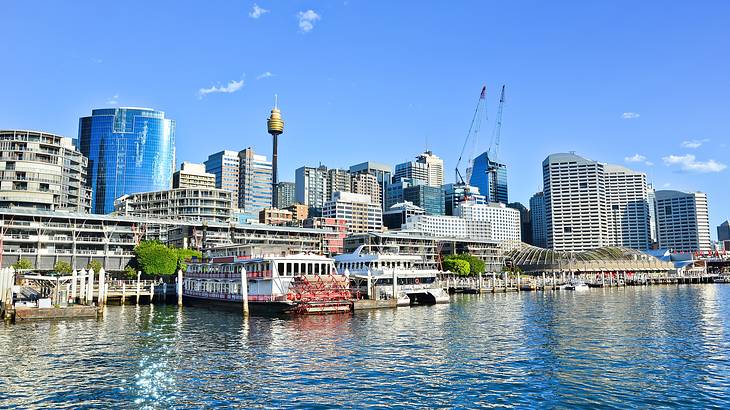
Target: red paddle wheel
[{"x": 321, "y": 294}]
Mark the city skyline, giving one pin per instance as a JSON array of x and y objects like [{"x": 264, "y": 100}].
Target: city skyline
[{"x": 660, "y": 114}]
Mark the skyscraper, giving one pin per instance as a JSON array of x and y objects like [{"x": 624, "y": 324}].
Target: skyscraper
[
  {"x": 427, "y": 168},
  {"x": 129, "y": 150},
  {"x": 224, "y": 165},
  {"x": 723, "y": 231},
  {"x": 627, "y": 202},
  {"x": 383, "y": 173},
  {"x": 338, "y": 180},
  {"x": 454, "y": 194},
  {"x": 192, "y": 175},
  {"x": 537, "y": 217},
  {"x": 525, "y": 221},
  {"x": 286, "y": 195},
  {"x": 311, "y": 186},
  {"x": 367, "y": 184},
  {"x": 430, "y": 198},
  {"x": 490, "y": 177},
  {"x": 254, "y": 181},
  {"x": 682, "y": 221}
]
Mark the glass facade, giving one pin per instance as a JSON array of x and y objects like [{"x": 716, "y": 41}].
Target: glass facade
[
  {"x": 130, "y": 150},
  {"x": 490, "y": 177},
  {"x": 430, "y": 198}
]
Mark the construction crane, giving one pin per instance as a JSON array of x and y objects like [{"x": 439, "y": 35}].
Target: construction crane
[
  {"x": 476, "y": 122},
  {"x": 494, "y": 145}
]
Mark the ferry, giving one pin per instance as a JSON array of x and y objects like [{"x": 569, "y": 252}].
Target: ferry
[
  {"x": 371, "y": 277},
  {"x": 298, "y": 283}
]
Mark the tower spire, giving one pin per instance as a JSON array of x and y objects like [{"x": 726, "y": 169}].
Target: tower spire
[{"x": 275, "y": 126}]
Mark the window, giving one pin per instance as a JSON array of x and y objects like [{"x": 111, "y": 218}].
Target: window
[{"x": 280, "y": 267}]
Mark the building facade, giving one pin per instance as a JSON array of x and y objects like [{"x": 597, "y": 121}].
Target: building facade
[
  {"x": 504, "y": 222},
  {"x": 254, "y": 181},
  {"x": 285, "y": 195},
  {"x": 42, "y": 171},
  {"x": 359, "y": 213},
  {"x": 398, "y": 214},
  {"x": 224, "y": 165},
  {"x": 367, "y": 184},
  {"x": 449, "y": 227},
  {"x": 430, "y": 198},
  {"x": 454, "y": 194},
  {"x": 525, "y": 221},
  {"x": 537, "y": 217},
  {"x": 129, "y": 150},
  {"x": 490, "y": 177},
  {"x": 311, "y": 186},
  {"x": 190, "y": 204},
  {"x": 627, "y": 201},
  {"x": 275, "y": 216},
  {"x": 338, "y": 180},
  {"x": 192, "y": 175},
  {"x": 382, "y": 172},
  {"x": 427, "y": 168},
  {"x": 723, "y": 231},
  {"x": 683, "y": 223}
]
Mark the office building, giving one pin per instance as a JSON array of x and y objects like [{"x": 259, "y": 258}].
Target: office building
[
  {"x": 359, "y": 213},
  {"x": 394, "y": 191},
  {"x": 367, "y": 184},
  {"x": 42, "y": 171},
  {"x": 274, "y": 216},
  {"x": 683, "y": 221},
  {"x": 490, "y": 177},
  {"x": 427, "y": 168},
  {"x": 525, "y": 221},
  {"x": 504, "y": 222},
  {"x": 299, "y": 212},
  {"x": 398, "y": 214},
  {"x": 627, "y": 202},
  {"x": 454, "y": 194},
  {"x": 129, "y": 150},
  {"x": 190, "y": 204},
  {"x": 651, "y": 200},
  {"x": 383, "y": 173},
  {"x": 537, "y": 217},
  {"x": 449, "y": 227},
  {"x": 311, "y": 186},
  {"x": 285, "y": 195},
  {"x": 723, "y": 231},
  {"x": 254, "y": 182},
  {"x": 192, "y": 175},
  {"x": 338, "y": 180},
  {"x": 430, "y": 198},
  {"x": 224, "y": 165}
]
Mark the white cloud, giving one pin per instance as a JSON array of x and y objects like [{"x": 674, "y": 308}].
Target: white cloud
[
  {"x": 307, "y": 19},
  {"x": 263, "y": 75},
  {"x": 630, "y": 115},
  {"x": 694, "y": 143},
  {"x": 666, "y": 185},
  {"x": 232, "y": 87},
  {"x": 257, "y": 11},
  {"x": 114, "y": 100},
  {"x": 649, "y": 163},
  {"x": 689, "y": 163},
  {"x": 635, "y": 158}
]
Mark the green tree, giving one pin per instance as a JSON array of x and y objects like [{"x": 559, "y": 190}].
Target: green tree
[
  {"x": 95, "y": 265},
  {"x": 476, "y": 265},
  {"x": 154, "y": 258},
  {"x": 184, "y": 256},
  {"x": 23, "y": 264},
  {"x": 62, "y": 268},
  {"x": 453, "y": 264},
  {"x": 130, "y": 272}
]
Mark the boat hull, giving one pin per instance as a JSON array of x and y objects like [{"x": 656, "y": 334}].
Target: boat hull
[{"x": 271, "y": 308}]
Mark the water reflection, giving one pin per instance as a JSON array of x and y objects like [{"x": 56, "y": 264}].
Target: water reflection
[{"x": 641, "y": 347}]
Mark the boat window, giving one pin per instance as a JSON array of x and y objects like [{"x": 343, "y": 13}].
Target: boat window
[
  {"x": 289, "y": 270},
  {"x": 316, "y": 268},
  {"x": 280, "y": 268},
  {"x": 296, "y": 269}
]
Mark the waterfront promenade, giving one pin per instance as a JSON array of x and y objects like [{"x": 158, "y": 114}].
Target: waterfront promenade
[{"x": 628, "y": 347}]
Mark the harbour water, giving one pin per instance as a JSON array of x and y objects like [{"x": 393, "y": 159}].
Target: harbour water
[{"x": 660, "y": 346}]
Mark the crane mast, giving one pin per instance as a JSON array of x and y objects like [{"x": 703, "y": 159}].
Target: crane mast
[
  {"x": 480, "y": 112},
  {"x": 494, "y": 146}
]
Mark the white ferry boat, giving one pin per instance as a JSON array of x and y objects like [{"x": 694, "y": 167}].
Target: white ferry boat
[
  {"x": 371, "y": 277},
  {"x": 300, "y": 283}
]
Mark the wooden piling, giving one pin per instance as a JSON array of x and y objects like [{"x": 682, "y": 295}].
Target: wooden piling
[
  {"x": 179, "y": 287},
  {"x": 139, "y": 276},
  {"x": 244, "y": 291},
  {"x": 124, "y": 292},
  {"x": 90, "y": 288}
]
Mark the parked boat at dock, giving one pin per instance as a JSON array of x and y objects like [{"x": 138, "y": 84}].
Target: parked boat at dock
[
  {"x": 297, "y": 283},
  {"x": 372, "y": 277}
]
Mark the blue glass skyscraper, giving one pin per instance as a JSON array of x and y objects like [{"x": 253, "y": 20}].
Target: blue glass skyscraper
[
  {"x": 490, "y": 177},
  {"x": 129, "y": 150}
]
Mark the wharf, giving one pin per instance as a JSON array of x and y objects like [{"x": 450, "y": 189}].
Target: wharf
[
  {"x": 367, "y": 304},
  {"x": 71, "y": 312}
]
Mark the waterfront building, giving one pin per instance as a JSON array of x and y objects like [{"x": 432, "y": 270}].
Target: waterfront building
[
  {"x": 383, "y": 173},
  {"x": 430, "y": 198},
  {"x": 537, "y": 217},
  {"x": 454, "y": 194},
  {"x": 627, "y": 202},
  {"x": 129, "y": 150},
  {"x": 285, "y": 195},
  {"x": 490, "y": 177},
  {"x": 333, "y": 241},
  {"x": 254, "y": 181},
  {"x": 192, "y": 204},
  {"x": 42, "y": 171},
  {"x": 274, "y": 216},
  {"x": 504, "y": 222},
  {"x": 367, "y": 184},
  {"x": 682, "y": 221},
  {"x": 311, "y": 186},
  {"x": 449, "y": 226},
  {"x": 359, "y": 213},
  {"x": 299, "y": 212},
  {"x": 525, "y": 221},
  {"x": 224, "y": 165},
  {"x": 398, "y": 214},
  {"x": 723, "y": 231},
  {"x": 338, "y": 180},
  {"x": 192, "y": 175},
  {"x": 427, "y": 168}
]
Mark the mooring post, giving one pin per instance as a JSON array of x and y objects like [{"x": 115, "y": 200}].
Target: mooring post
[
  {"x": 519, "y": 282},
  {"x": 554, "y": 280},
  {"x": 152, "y": 291},
  {"x": 102, "y": 287},
  {"x": 179, "y": 287},
  {"x": 90, "y": 288},
  {"x": 124, "y": 292},
  {"x": 244, "y": 291},
  {"x": 74, "y": 278},
  {"x": 139, "y": 276},
  {"x": 395, "y": 286}
]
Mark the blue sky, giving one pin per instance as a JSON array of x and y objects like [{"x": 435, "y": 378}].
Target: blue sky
[{"x": 617, "y": 81}]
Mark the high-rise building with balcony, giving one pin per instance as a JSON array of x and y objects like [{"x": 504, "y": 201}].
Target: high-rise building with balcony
[
  {"x": 338, "y": 180},
  {"x": 129, "y": 150},
  {"x": 311, "y": 186},
  {"x": 190, "y": 204},
  {"x": 285, "y": 195},
  {"x": 192, "y": 175},
  {"x": 225, "y": 166},
  {"x": 42, "y": 171},
  {"x": 683, "y": 223},
  {"x": 367, "y": 184},
  {"x": 627, "y": 201},
  {"x": 254, "y": 181},
  {"x": 383, "y": 173}
]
